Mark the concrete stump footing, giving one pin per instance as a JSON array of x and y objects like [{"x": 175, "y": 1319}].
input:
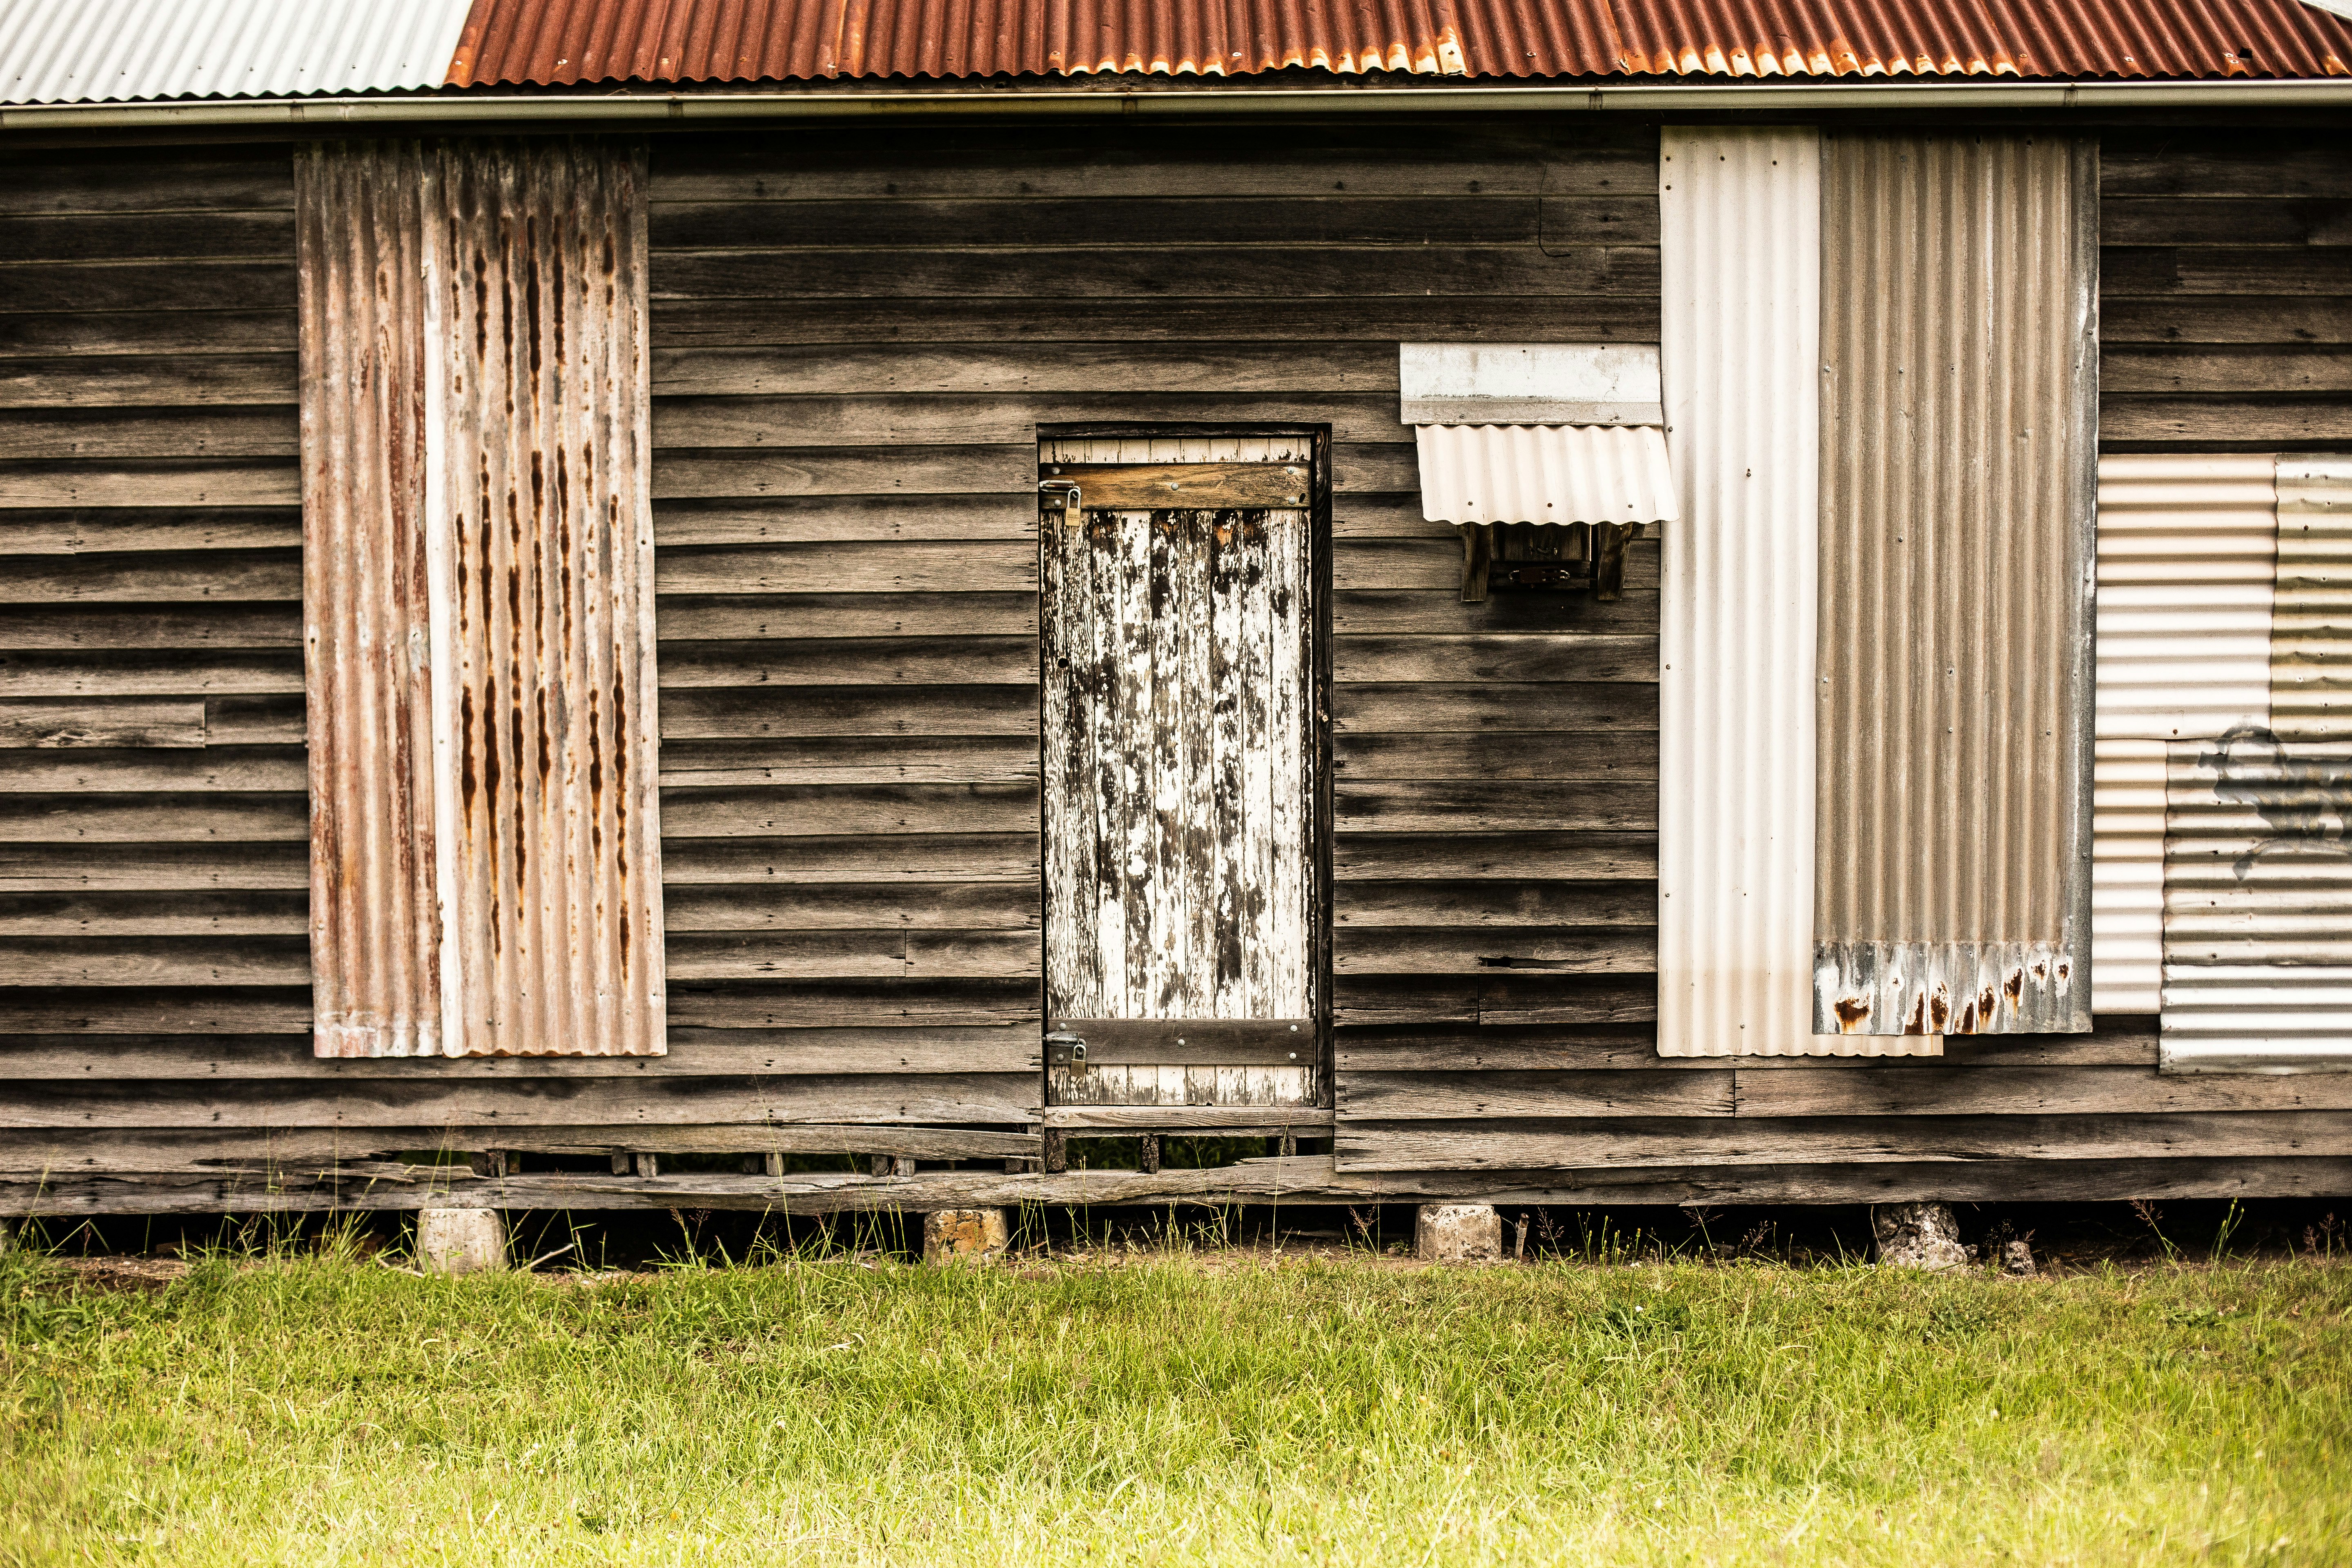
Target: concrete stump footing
[
  {"x": 460, "y": 1241},
  {"x": 1458, "y": 1233}
]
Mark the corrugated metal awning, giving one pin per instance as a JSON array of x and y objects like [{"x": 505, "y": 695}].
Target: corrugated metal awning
[{"x": 1545, "y": 473}]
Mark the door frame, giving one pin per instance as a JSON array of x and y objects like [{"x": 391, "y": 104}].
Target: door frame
[{"x": 1318, "y": 666}]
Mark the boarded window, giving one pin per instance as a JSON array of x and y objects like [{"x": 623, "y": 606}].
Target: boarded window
[{"x": 485, "y": 871}]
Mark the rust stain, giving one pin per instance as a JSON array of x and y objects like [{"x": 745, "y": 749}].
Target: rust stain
[{"x": 1852, "y": 1011}]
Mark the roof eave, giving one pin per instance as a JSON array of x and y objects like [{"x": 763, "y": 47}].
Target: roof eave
[{"x": 1121, "y": 98}]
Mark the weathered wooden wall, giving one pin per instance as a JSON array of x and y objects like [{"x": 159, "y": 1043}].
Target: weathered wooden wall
[
  {"x": 1503, "y": 1020},
  {"x": 2225, "y": 298},
  {"x": 153, "y": 966},
  {"x": 856, "y": 335}
]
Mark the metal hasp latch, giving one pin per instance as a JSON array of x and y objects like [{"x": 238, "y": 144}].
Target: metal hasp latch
[
  {"x": 1065, "y": 1050},
  {"x": 1062, "y": 496}
]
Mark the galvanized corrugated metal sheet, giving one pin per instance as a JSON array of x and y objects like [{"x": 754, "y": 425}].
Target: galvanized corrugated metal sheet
[
  {"x": 1544, "y": 473},
  {"x": 2184, "y": 649},
  {"x": 375, "y": 927},
  {"x": 2258, "y": 852},
  {"x": 1959, "y": 383},
  {"x": 2127, "y": 877},
  {"x": 2186, "y": 560},
  {"x": 543, "y": 563},
  {"x": 2258, "y": 905},
  {"x": 574, "y": 41},
  {"x": 88, "y": 51},
  {"x": 1741, "y": 252},
  {"x": 2311, "y": 626}
]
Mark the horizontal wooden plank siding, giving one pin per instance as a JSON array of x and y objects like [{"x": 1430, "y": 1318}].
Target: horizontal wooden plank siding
[
  {"x": 2225, "y": 297},
  {"x": 855, "y": 336}
]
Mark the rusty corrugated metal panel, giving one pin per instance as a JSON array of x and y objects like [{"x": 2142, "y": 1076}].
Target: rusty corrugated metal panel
[
  {"x": 111, "y": 51},
  {"x": 2186, "y": 543},
  {"x": 1739, "y": 210},
  {"x": 575, "y": 41},
  {"x": 1544, "y": 473},
  {"x": 374, "y": 920},
  {"x": 543, "y": 555},
  {"x": 1959, "y": 368},
  {"x": 2311, "y": 624},
  {"x": 568, "y": 41}
]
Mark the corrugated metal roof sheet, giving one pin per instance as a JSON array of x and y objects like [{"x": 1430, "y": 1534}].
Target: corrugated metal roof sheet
[
  {"x": 573, "y": 41},
  {"x": 1544, "y": 473},
  {"x": 91, "y": 51},
  {"x": 79, "y": 51}
]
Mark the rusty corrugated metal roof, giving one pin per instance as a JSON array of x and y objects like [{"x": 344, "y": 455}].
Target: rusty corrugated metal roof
[{"x": 571, "y": 42}]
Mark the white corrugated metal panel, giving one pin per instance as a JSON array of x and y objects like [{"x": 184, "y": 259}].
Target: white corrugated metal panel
[
  {"x": 2185, "y": 552},
  {"x": 2185, "y": 548},
  {"x": 1544, "y": 473},
  {"x": 2257, "y": 905},
  {"x": 2311, "y": 628},
  {"x": 1529, "y": 384},
  {"x": 2127, "y": 877},
  {"x": 85, "y": 51},
  {"x": 1742, "y": 323}
]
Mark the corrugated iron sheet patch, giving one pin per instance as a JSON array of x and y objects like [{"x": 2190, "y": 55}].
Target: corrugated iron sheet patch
[
  {"x": 2258, "y": 905},
  {"x": 1741, "y": 215},
  {"x": 1954, "y": 766},
  {"x": 2311, "y": 615},
  {"x": 376, "y": 922},
  {"x": 544, "y": 559},
  {"x": 565, "y": 42}
]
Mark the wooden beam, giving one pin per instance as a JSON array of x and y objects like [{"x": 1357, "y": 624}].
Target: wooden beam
[{"x": 1289, "y": 1181}]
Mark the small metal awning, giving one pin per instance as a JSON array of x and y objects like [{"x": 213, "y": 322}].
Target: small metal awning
[{"x": 1544, "y": 473}]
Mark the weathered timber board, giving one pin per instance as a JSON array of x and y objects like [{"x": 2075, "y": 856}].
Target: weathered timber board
[
  {"x": 693, "y": 1053},
  {"x": 542, "y": 1100},
  {"x": 1835, "y": 1141},
  {"x": 1293, "y": 1182}
]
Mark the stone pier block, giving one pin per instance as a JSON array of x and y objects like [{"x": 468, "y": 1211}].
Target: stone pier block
[
  {"x": 460, "y": 1241},
  {"x": 1458, "y": 1233},
  {"x": 1917, "y": 1235},
  {"x": 955, "y": 1235}
]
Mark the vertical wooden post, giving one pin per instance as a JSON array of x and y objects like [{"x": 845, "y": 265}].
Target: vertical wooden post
[{"x": 1146, "y": 1158}]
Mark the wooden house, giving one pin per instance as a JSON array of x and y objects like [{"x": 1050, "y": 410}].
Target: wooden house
[{"x": 1678, "y": 611}]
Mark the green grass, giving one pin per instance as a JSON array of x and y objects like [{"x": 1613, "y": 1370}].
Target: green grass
[{"x": 328, "y": 1409}]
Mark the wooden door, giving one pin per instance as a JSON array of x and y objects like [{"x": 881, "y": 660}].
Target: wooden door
[{"x": 1181, "y": 752}]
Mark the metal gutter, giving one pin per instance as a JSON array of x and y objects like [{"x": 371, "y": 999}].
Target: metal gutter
[{"x": 521, "y": 109}]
